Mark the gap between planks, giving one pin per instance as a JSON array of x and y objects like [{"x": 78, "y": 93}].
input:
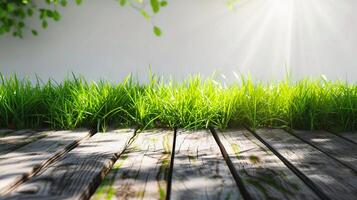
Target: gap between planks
[
  {"x": 25, "y": 162},
  {"x": 328, "y": 178},
  {"x": 148, "y": 169},
  {"x": 300, "y": 174},
  {"x": 172, "y": 160},
  {"x": 199, "y": 170},
  {"x": 77, "y": 174},
  {"x": 331, "y": 145},
  {"x": 238, "y": 179},
  {"x": 262, "y": 172},
  {"x": 142, "y": 171},
  {"x": 129, "y": 158},
  {"x": 348, "y": 136}
]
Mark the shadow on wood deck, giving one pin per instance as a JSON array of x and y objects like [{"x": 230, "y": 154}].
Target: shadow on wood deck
[{"x": 178, "y": 164}]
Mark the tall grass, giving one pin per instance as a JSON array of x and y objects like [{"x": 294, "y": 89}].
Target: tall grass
[{"x": 193, "y": 103}]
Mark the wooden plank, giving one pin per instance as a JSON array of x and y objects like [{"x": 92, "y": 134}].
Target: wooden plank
[
  {"x": 199, "y": 170},
  {"x": 264, "y": 175},
  {"x": 349, "y": 136},
  {"x": 13, "y": 140},
  {"x": 77, "y": 174},
  {"x": 331, "y": 178},
  {"x": 142, "y": 171},
  {"x": 4, "y": 132},
  {"x": 336, "y": 147},
  {"x": 22, "y": 163}
]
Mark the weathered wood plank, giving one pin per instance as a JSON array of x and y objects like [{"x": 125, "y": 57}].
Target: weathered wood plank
[
  {"x": 330, "y": 177},
  {"x": 13, "y": 140},
  {"x": 350, "y": 136},
  {"x": 337, "y": 147},
  {"x": 22, "y": 163},
  {"x": 199, "y": 170},
  {"x": 265, "y": 175},
  {"x": 4, "y": 132},
  {"x": 78, "y": 173},
  {"x": 141, "y": 172}
]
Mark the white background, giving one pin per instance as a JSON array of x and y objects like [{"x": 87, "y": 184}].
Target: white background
[{"x": 265, "y": 38}]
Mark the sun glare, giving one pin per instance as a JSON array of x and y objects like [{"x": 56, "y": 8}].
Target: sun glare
[{"x": 301, "y": 34}]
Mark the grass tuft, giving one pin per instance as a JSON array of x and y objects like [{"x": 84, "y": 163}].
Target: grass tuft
[{"x": 192, "y": 104}]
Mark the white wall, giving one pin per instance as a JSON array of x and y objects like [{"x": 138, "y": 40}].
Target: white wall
[{"x": 99, "y": 39}]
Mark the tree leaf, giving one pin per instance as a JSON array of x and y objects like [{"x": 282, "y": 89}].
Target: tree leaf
[
  {"x": 145, "y": 14},
  {"x": 56, "y": 16},
  {"x": 49, "y": 13},
  {"x": 21, "y": 24},
  {"x": 78, "y": 2},
  {"x": 63, "y": 3},
  {"x": 155, "y": 5},
  {"x": 44, "y": 24},
  {"x": 157, "y": 31},
  {"x": 122, "y": 2},
  {"x": 29, "y": 12},
  {"x": 10, "y": 7},
  {"x": 34, "y": 32},
  {"x": 3, "y": 13},
  {"x": 163, "y": 3}
]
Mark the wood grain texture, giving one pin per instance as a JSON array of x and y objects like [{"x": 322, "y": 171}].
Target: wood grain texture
[
  {"x": 142, "y": 171},
  {"x": 12, "y": 140},
  {"x": 78, "y": 173},
  {"x": 335, "y": 180},
  {"x": 22, "y": 163},
  {"x": 265, "y": 175},
  {"x": 199, "y": 170},
  {"x": 337, "y": 147}
]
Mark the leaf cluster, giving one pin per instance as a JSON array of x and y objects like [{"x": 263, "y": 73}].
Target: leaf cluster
[
  {"x": 14, "y": 13},
  {"x": 147, "y": 11}
]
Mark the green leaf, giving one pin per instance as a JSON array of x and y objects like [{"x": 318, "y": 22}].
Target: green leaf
[
  {"x": 29, "y": 12},
  {"x": 21, "y": 13},
  {"x": 78, "y": 2},
  {"x": 56, "y": 16},
  {"x": 10, "y": 7},
  {"x": 44, "y": 24},
  {"x": 231, "y": 4},
  {"x": 155, "y": 5},
  {"x": 63, "y": 3},
  {"x": 2, "y": 13},
  {"x": 157, "y": 31},
  {"x": 21, "y": 24},
  {"x": 34, "y": 32},
  {"x": 145, "y": 14},
  {"x": 49, "y": 13},
  {"x": 122, "y": 2},
  {"x": 43, "y": 13},
  {"x": 163, "y": 3}
]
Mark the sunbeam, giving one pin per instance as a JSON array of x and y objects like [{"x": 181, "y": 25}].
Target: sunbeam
[{"x": 306, "y": 36}]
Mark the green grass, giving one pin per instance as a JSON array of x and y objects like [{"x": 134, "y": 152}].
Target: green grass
[{"x": 192, "y": 104}]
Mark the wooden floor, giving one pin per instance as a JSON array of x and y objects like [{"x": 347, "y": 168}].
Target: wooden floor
[{"x": 167, "y": 164}]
